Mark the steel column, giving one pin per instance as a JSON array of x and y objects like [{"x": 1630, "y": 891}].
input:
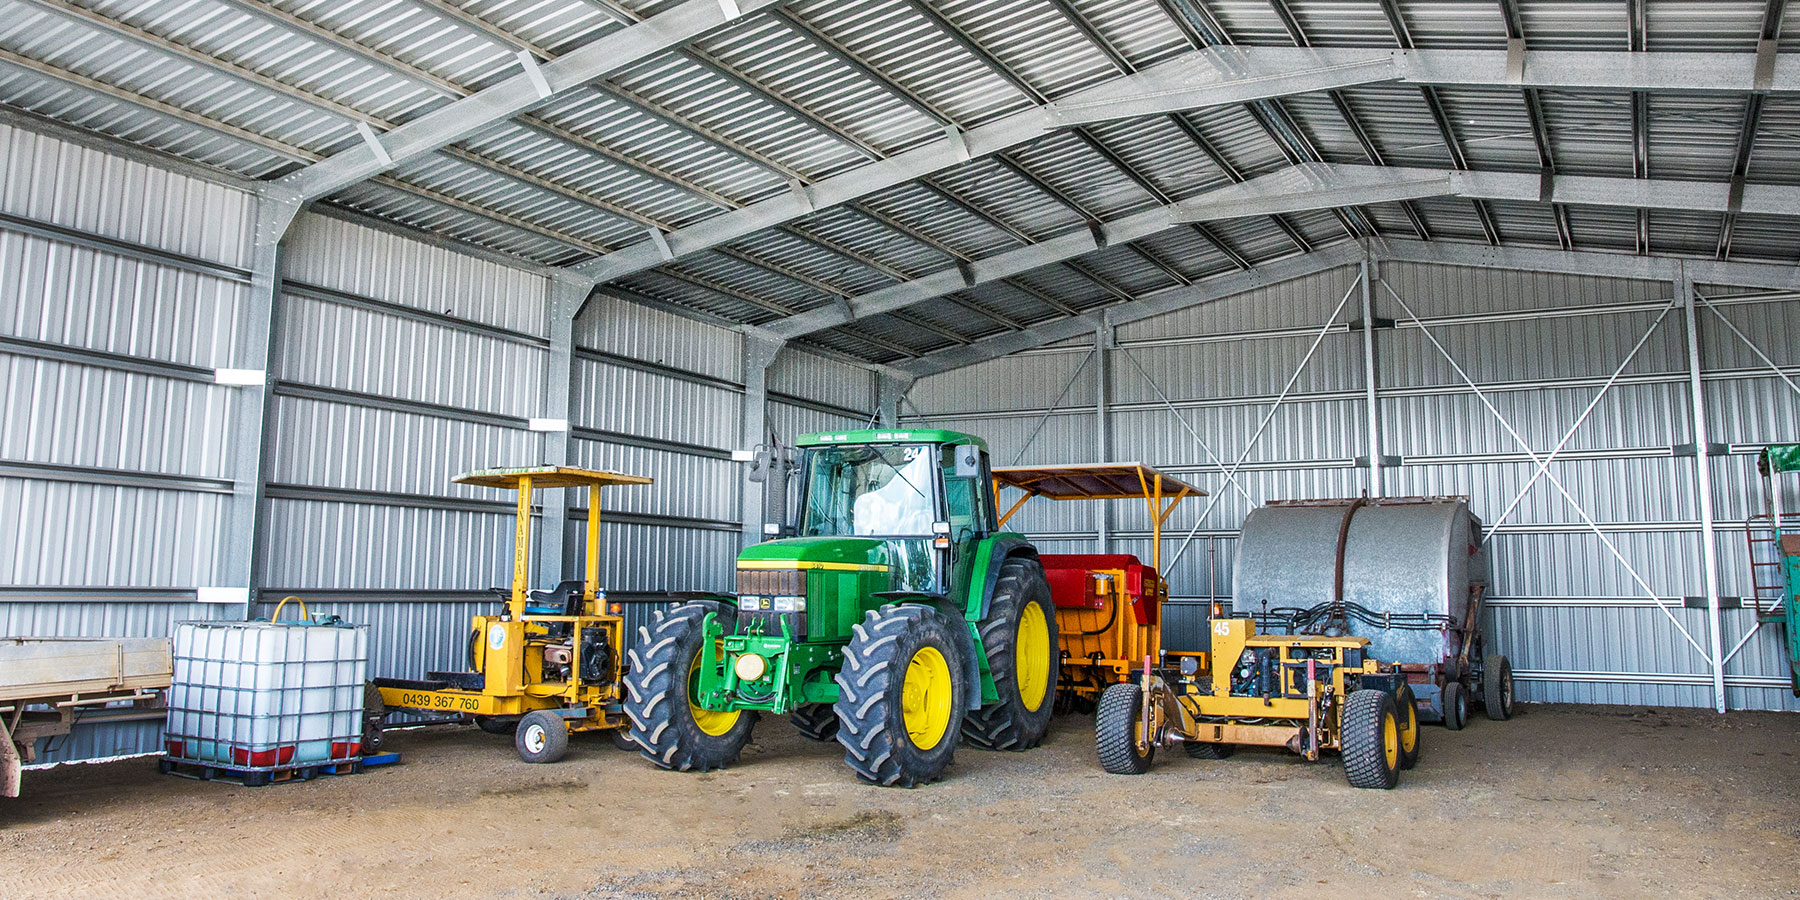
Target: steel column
[
  {"x": 275, "y": 211},
  {"x": 1103, "y": 345},
  {"x": 565, "y": 295},
  {"x": 760, "y": 350},
  {"x": 1371, "y": 401},
  {"x": 1709, "y": 551}
]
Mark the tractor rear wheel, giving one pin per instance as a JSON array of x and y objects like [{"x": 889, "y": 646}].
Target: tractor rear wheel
[
  {"x": 1371, "y": 740},
  {"x": 1408, "y": 719},
  {"x": 1019, "y": 635},
  {"x": 1497, "y": 687},
  {"x": 817, "y": 721},
  {"x": 1116, "y": 727},
  {"x": 899, "y": 695},
  {"x": 667, "y": 723}
]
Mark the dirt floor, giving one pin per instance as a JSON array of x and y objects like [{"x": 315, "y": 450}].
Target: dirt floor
[{"x": 1560, "y": 802}]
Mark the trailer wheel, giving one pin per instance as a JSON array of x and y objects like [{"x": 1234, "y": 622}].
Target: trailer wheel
[
  {"x": 1116, "y": 731},
  {"x": 543, "y": 737},
  {"x": 1019, "y": 636},
  {"x": 1208, "y": 750},
  {"x": 899, "y": 693},
  {"x": 1371, "y": 740},
  {"x": 1456, "y": 706},
  {"x": 1407, "y": 713},
  {"x": 668, "y": 725},
  {"x": 1497, "y": 687},
  {"x": 817, "y": 721}
]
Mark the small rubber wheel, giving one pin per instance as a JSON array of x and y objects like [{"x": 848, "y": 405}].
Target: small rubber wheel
[
  {"x": 1407, "y": 713},
  {"x": 1497, "y": 687},
  {"x": 621, "y": 738},
  {"x": 1116, "y": 731},
  {"x": 497, "y": 724},
  {"x": 1371, "y": 740},
  {"x": 1205, "y": 750},
  {"x": 542, "y": 737},
  {"x": 1456, "y": 706}
]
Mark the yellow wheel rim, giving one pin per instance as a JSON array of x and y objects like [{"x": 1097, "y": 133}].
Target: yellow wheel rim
[
  {"x": 1031, "y": 657},
  {"x": 1390, "y": 741},
  {"x": 1409, "y": 732},
  {"x": 925, "y": 697},
  {"x": 709, "y": 721}
]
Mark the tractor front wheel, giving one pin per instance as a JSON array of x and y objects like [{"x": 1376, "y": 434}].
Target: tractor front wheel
[
  {"x": 1117, "y": 730},
  {"x": 1019, "y": 634},
  {"x": 668, "y": 724},
  {"x": 899, "y": 695}
]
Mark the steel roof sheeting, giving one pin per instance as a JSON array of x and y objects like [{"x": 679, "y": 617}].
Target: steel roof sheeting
[{"x": 747, "y": 113}]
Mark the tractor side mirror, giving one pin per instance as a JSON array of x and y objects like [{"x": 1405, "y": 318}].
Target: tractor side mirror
[{"x": 968, "y": 460}]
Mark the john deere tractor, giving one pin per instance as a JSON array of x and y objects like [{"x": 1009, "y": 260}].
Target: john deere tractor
[{"x": 894, "y": 616}]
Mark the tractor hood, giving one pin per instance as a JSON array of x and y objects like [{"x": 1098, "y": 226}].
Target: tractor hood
[{"x": 846, "y": 553}]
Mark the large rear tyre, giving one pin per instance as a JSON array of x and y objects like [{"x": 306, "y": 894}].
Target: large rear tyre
[
  {"x": 817, "y": 721},
  {"x": 1371, "y": 740},
  {"x": 1116, "y": 731},
  {"x": 899, "y": 695},
  {"x": 1497, "y": 687},
  {"x": 1019, "y": 635},
  {"x": 543, "y": 737},
  {"x": 667, "y": 723},
  {"x": 1407, "y": 713}
]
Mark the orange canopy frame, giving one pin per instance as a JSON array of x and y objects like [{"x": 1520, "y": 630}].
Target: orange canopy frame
[{"x": 1101, "y": 481}]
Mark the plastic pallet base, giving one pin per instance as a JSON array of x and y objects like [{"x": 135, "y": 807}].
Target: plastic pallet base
[
  {"x": 380, "y": 759},
  {"x": 201, "y": 771}
]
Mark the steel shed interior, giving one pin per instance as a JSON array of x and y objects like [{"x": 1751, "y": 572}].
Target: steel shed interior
[{"x": 271, "y": 272}]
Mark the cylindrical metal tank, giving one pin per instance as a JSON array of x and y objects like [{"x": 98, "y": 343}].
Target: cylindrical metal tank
[{"x": 1406, "y": 556}]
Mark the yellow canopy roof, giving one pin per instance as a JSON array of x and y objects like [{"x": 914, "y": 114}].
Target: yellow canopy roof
[
  {"x": 548, "y": 477},
  {"x": 1096, "y": 481}
]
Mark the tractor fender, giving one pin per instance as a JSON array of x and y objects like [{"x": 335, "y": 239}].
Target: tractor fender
[{"x": 990, "y": 556}]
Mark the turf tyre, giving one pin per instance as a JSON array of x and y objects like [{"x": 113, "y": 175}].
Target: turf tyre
[
  {"x": 1368, "y": 719},
  {"x": 1115, "y": 731},
  {"x": 543, "y": 737}
]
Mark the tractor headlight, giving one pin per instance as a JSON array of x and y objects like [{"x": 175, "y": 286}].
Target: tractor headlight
[
  {"x": 750, "y": 667},
  {"x": 749, "y": 602},
  {"x": 790, "y": 604}
]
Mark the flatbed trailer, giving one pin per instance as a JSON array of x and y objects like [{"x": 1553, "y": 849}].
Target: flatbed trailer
[{"x": 48, "y": 684}]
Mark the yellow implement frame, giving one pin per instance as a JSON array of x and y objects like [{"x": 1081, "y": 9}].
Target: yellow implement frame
[{"x": 512, "y": 650}]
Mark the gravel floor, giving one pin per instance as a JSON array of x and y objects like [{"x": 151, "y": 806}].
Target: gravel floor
[{"x": 1561, "y": 802}]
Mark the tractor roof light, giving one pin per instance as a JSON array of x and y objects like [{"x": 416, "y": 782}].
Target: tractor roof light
[{"x": 750, "y": 667}]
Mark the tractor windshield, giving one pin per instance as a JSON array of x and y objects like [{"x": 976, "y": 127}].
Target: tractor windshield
[{"x": 869, "y": 490}]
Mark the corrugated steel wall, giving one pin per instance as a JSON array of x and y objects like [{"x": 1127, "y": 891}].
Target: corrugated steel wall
[
  {"x": 399, "y": 362},
  {"x": 1573, "y": 618}
]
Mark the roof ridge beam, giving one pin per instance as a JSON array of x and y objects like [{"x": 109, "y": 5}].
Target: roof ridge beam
[
  {"x": 517, "y": 94},
  {"x": 1299, "y": 188}
]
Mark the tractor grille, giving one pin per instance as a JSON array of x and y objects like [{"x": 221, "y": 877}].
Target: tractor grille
[
  {"x": 772, "y": 582},
  {"x": 765, "y": 585}
]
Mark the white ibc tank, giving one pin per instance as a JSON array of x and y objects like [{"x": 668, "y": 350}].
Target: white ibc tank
[{"x": 260, "y": 695}]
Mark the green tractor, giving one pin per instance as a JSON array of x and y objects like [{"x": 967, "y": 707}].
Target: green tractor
[{"x": 896, "y": 617}]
